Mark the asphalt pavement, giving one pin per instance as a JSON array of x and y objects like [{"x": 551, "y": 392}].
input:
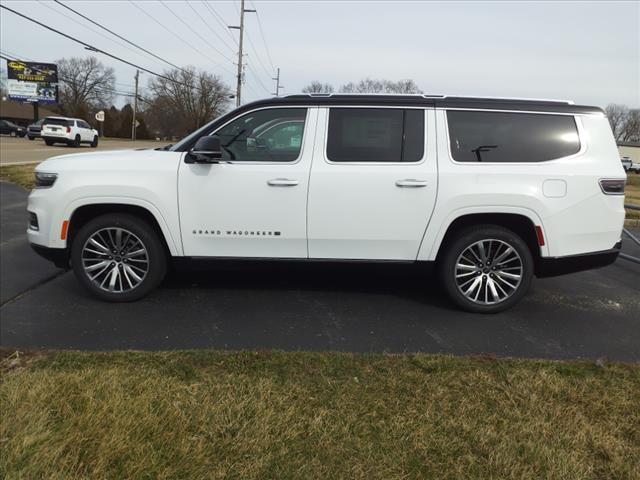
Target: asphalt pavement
[
  {"x": 16, "y": 150},
  {"x": 312, "y": 306}
]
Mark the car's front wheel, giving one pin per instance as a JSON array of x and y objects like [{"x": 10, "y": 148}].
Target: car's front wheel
[
  {"x": 118, "y": 257},
  {"x": 94, "y": 143},
  {"x": 31, "y": 138},
  {"x": 486, "y": 269}
]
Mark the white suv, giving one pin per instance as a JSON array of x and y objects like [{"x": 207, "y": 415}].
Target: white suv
[
  {"x": 71, "y": 131},
  {"x": 492, "y": 191}
]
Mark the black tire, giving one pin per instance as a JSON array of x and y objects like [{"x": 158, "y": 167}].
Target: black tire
[
  {"x": 75, "y": 142},
  {"x": 157, "y": 258},
  {"x": 48, "y": 142},
  {"x": 94, "y": 143},
  {"x": 463, "y": 240},
  {"x": 31, "y": 138}
]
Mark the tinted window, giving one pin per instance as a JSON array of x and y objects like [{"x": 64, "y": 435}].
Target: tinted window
[
  {"x": 58, "y": 121},
  {"x": 83, "y": 124},
  {"x": 271, "y": 135},
  {"x": 511, "y": 137},
  {"x": 375, "y": 135}
]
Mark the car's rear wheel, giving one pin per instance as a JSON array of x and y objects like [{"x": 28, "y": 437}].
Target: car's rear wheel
[
  {"x": 75, "y": 142},
  {"x": 48, "y": 142},
  {"x": 94, "y": 143},
  {"x": 486, "y": 269},
  {"x": 118, "y": 257}
]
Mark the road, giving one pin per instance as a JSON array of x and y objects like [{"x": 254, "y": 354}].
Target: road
[
  {"x": 15, "y": 150},
  {"x": 361, "y": 308}
]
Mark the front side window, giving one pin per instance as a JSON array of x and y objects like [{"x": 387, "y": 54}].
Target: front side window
[
  {"x": 270, "y": 135},
  {"x": 511, "y": 137},
  {"x": 375, "y": 135}
]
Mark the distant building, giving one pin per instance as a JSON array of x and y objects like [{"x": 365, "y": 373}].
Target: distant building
[
  {"x": 631, "y": 150},
  {"x": 21, "y": 113}
]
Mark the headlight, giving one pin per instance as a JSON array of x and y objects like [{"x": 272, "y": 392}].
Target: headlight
[{"x": 45, "y": 180}]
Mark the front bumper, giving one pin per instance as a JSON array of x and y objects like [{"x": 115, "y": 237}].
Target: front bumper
[
  {"x": 554, "y": 266},
  {"x": 59, "y": 256}
]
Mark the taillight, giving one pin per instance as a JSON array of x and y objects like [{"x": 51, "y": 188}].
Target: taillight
[
  {"x": 612, "y": 187},
  {"x": 68, "y": 129}
]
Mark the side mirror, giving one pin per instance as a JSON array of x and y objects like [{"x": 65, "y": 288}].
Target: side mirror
[{"x": 206, "y": 150}]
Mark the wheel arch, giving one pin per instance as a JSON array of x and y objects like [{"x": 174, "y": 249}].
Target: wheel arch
[
  {"x": 521, "y": 224},
  {"x": 81, "y": 214}
]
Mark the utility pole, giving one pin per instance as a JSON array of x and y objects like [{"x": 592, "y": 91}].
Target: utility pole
[
  {"x": 241, "y": 28},
  {"x": 135, "y": 108},
  {"x": 278, "y": 86}
]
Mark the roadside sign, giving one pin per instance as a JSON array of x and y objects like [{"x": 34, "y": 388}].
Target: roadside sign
[
  {"x": 32, "y": 71},
  {"x": 100, "y": 116},
  {"x": 32, "y": 82},
  {"x": 32, "y": 91},
  {"x": 137, "y": 123}
]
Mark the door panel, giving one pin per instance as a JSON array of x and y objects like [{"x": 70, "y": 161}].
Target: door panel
[
  {"x": 250, "y": 208},
  {"x": 370, "y": 210}
]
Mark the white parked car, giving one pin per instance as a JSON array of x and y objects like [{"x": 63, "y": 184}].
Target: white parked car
[
  {"x": 491, "y": 191},
  {"x": 72, "y": 131}
]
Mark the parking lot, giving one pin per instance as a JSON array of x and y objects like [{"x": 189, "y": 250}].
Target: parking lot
[
  {"x": 16, "y": 150},
  {"x": 311, "y": 307}
]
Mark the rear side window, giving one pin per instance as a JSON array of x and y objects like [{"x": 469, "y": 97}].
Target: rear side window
[
  {"x": 61, "y": 122},
  {"x": 375, "y": 135},
  {"x": 511, "y": 137}
]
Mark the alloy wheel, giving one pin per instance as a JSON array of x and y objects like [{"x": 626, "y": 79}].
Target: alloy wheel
[
  {"x": 115, "y": 260},
  {"x": 488, "y": 272}
]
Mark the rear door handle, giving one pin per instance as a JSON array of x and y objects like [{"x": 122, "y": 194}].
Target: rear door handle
[
  {"x": 282, "y": 182},
  {"x": 411, "y": 183}
]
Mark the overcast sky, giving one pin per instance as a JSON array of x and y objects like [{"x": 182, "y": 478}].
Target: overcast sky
[{"x": 588, "y": 52}]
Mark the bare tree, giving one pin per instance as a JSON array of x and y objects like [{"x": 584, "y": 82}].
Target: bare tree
[
  {"x": 403, "y": 86},
  {"x": 369, "y": 85},
  {"x": 630, "y": 131},
  {"x": 617, "y": 115},
  {"x": 85, "y": 85},
  {"x": 184, "y": 101},
  {"x": 318, "y": 87}
]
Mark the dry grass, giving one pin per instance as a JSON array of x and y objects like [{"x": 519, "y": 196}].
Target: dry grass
[
  {"x": 205, "y": 414},
  {"x": 19, "y": 174}
]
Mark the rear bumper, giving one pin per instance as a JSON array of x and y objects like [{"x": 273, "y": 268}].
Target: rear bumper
[
  {"x": 554, "y": 266},
  {"x": 59, "y": 256}
]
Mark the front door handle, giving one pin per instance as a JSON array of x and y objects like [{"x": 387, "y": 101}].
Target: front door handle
[
  {"x": 411, "y": 183},
  {"x": 282, "y": 182}
]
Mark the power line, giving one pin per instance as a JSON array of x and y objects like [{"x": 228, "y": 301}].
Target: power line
[
  {"x": 117, "y": 35},
  {"x": 94, "y": 49},
  {"x": 68, "y": 17},
  {"x": 255, "y": 51},
  {"x": 171, "y": 31},
  {"x": 257, "y": 78},
  {"x": 221, "y": 21},
  {"x": 196, "y": 32},
  {"x": 264, "y": 40},
  {"x": 207, "y": 25}
]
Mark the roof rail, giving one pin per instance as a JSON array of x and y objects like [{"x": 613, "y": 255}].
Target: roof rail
[{"x": 525, "y": 99}]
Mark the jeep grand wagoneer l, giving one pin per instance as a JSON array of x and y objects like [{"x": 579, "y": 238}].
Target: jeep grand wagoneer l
[{"x": 493, "y": 191}]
